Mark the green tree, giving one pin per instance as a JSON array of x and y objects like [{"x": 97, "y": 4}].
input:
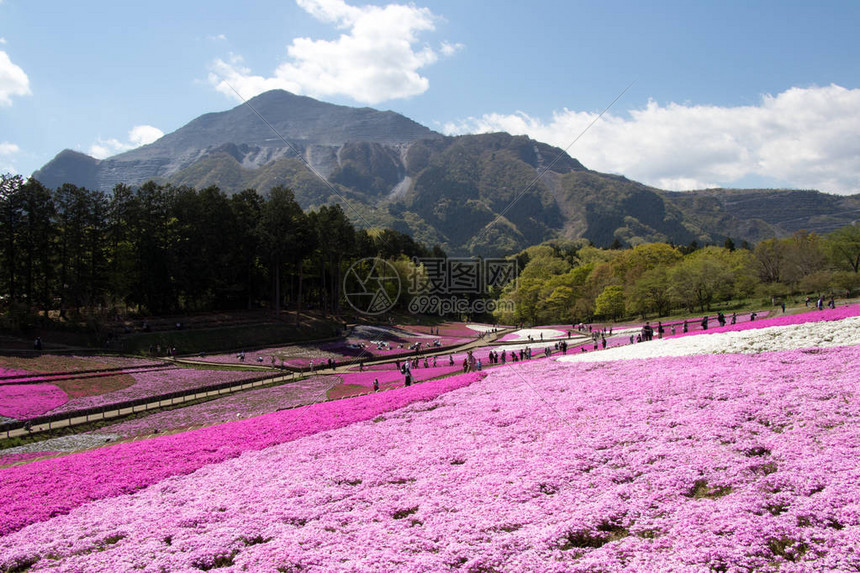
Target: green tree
[
  {"x": 37, "y": 232},
  {"x": 818, "y": 282},
  {"x": 151, "y": 236},
  {"x": 335, "y": 237},
  {"x": 629, "y": 265},
  {"x": 10, "y": 221},
  {"x": 700, "y": 279},
  {"x": 610, "y": 302},
  {"x": 846, "y": 281},
  {"x": 246, "y": 207},
  {"x": 804, "y": 255},
  {"x": 285, "y": 236},
  {"x": 526, "y": 299},
  {"x": 770, "y": 256},
  {"x": 650, "y": 292},
  {"x": 559, "y": 304},
  {"x": 81, "y": 237},
  {"x": 204, "y": 235},
  {"x": 843, "y": 248}
]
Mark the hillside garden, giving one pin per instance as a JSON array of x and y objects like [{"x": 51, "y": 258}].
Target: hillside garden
[{"x": 727, "y": 449}]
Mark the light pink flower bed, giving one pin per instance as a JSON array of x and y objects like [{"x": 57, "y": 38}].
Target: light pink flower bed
[
  {"x": 229, "y": 408},
  {"x": 297, "y": 356},
  {"x": 714, "y": 462},
  {"x": 48, "y": 488},
  {"x": 156, "y": 382}
]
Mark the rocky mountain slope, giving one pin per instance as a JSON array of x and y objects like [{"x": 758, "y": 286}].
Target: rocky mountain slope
[{"x": 488, "y": 194}]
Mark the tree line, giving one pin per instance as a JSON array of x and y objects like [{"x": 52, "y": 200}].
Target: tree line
[
  {"x": 572, "y": 282},
  {"x": 162, "y": 249},
  {"x": 159, "y": 249}
]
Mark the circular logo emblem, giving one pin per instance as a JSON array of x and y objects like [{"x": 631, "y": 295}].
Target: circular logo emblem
[{"x": 371, "y": 286}]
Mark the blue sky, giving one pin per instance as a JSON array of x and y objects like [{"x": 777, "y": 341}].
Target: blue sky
[{"x": 724, "y": 93}]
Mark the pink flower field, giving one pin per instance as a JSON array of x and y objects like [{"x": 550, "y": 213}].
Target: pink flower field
[
  {"x": 229, "y": 408},
  {"x": 12, "y": 373},
  {"x": 155, "y": 382},
  {"x": 6, "y": 459},
  {"x": 710, "y": 462},
  {"x": 354, "y": 383},
  {"x": 33, "y": 368},
  {"x": 361, "y": 345},
  {"x": 827, "y": 315},
  {"x": 24, "y": 401},
  {"x": 47, "y": 488}
]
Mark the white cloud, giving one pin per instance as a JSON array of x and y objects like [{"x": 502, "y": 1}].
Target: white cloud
[
  {"x": 144, "y": 135},
  {"x": 13, "y": 80},
  {"x": 447, "y": 49},
  {"x": 7, "y": 151},
  {"x": 803, "y": 138},
  {"x": 139, "y": 135},
  {"x": 376, "y": 58}
]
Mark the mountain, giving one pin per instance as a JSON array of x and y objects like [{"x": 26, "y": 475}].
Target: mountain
[
  {"x": 489, "y": 194},
  {"x": 271, "y": 126}
]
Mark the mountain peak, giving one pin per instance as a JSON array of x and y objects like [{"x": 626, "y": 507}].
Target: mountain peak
[{"x": 273, "y": 124}]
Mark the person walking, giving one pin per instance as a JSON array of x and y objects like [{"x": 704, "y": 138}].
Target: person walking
[{"x": 407, "y": 374}]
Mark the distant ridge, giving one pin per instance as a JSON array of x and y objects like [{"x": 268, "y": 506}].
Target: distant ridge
[{"x": 470, "y": 194}]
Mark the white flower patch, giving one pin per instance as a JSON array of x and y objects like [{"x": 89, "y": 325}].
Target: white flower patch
[
  {"x": 844, "y": 332},
  {"x": 535, "y": 333},
  {"x": 481, "y": 327}
]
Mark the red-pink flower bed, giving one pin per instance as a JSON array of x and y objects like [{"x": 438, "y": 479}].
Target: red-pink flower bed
[
  {"x": 26, "y": 401},
  {"x": 362, "y": 382},
  {"x": 157, "y": 382},
  {"x": 451, "y": 330},
  {"x": 11, "y": 372},
  {"x": 373, "y": 367},
  {"x": 46, "y": 366},
  {"x": 43, "y": 489}
]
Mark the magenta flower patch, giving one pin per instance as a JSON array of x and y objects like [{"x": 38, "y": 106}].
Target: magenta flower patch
[
  {"x": 43, "y": 489},
  {"x": 24, "y": 401}
]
